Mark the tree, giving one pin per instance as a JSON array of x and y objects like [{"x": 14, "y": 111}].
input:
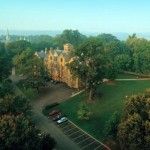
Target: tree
[
  {"x": 31, "y": 67},
  {"x": 123, "y": 62},
  {"x": 134, "y": 129},
  {"x": 107, "y": 38},
  {"x": 16, "y": 47},
  {"x": 18, "y": 133},
  {"x": 111, "y": 126},
  {"x": 40, "y": 42},
  {"x": 139, "y": 53},
  {"x": 14, "y": 104},
  {"x": 6, "y": 88},
  {"x": 91, "y": 64},
  {"x": 73, "y": 37},
  {"x": 5, "y": 62}
]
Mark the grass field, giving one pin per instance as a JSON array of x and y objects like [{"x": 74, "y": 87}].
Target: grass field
[
  {"x": 126, "y": 76},
  {"x": 112, "y": 99}
]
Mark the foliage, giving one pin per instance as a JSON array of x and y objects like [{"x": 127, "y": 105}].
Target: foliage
[
  {"x": 111, "y": 126},
  {"x": 91, "y": 64},
  {"x": 107, "y": 38},
  {"x": 14, "y": 104},
  {"x": 73, "y": 37},
  {"x": 123, "y": 62},
  {"x": 6, "y": 87},
  {"x": 18, "y": 133},
  {"x": 103, "y": 107},
  {"x": 31, "y": 67},
  {"x": 84, "y": 112},
  {"x": 30, "y": 93},
  {"x": 42, "y": 41},
  {"x": 16, "y": 47},
  {"x": 5, "y": 62},
  {"x": 139, "y": 53},
  {"x": 134, "y": 129}
]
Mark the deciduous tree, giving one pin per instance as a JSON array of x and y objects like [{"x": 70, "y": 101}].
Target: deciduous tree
[{"x": 134, "y": 129}]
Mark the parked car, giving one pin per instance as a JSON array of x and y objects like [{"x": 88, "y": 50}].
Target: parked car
[
  {"x": 61, "y": 120},
  {"x": 54, "y": 112},
  {"x": 56, "y": 117}
]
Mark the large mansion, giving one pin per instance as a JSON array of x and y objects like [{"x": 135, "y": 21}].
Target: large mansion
[{"x": 56, "y": 61}]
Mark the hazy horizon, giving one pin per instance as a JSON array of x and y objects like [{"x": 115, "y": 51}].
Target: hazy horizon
[
  {"x": 109, "y": 16},
  {"x": 119, "y": 35}
]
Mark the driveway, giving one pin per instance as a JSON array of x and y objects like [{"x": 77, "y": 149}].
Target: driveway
[{"x": 55, "y": 93}]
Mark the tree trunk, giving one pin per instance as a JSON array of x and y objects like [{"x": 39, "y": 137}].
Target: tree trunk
[
  {"x": 90, "y": 95},
  {"x": 86, "y": 87}
]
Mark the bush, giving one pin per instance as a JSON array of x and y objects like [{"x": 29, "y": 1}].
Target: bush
[
  {"x": 48, "y": 108},
  {"x": 111, "y": 126},
  {"x": 30, "y": 93},
  {"x": 84, "y": 112}
]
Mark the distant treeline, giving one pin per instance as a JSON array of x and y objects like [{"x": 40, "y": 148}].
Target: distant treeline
[{"x": 130, "y": 55}]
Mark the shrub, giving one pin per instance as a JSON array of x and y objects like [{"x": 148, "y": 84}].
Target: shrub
[
  {"x": 30, "y": 93},
  {"x": 111, "y": 126},
  {"x": 84, "y": 112}
]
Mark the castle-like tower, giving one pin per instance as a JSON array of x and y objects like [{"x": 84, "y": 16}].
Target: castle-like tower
[{"x": 7, "y": 39}]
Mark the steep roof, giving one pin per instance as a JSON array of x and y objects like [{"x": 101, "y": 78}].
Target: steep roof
[{"x": 40, "y": 54}]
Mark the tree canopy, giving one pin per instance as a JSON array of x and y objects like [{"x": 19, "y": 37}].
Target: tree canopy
[
  {"x": 91, "y": 64},
  {"x": 73, "y": 37},
  {"x": 134, "y": 129},
  {"x": 5, "y": 62}
]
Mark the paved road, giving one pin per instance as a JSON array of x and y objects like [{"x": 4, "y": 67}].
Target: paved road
[{"x": 56, "y": 93}]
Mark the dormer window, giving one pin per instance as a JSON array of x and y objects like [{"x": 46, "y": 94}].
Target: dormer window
[{"x": 61, "y": 60}]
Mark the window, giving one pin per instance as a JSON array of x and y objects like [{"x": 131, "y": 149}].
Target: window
[{"x": 61, "y": 60}]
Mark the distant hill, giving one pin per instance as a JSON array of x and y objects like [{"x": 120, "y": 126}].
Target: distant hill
[
  {"x": 30, "y": 32},
  {"x": 119, "y": 35}
]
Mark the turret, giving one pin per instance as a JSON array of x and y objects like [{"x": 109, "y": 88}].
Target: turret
[{"x": 68, "y": 47}]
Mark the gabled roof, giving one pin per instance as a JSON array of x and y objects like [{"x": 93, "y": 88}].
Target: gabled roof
[{"x": 41, "y": 54}]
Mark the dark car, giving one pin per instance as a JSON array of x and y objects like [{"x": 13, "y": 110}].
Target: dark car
[{"x": 56, "y": 117}]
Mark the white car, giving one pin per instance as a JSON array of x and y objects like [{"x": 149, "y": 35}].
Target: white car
[{"x": 63, "y": 119}]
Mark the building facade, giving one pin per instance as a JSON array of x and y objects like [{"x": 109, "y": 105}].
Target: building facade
[{"x": 56, "y": 62}]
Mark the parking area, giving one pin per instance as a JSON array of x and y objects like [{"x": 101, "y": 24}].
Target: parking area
[{"x": 84, "y": 140}]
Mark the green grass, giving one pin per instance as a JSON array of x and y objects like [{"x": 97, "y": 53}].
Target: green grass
[
  {"x": 112, "y": 99},
  {"x": 126, "y": 76}
]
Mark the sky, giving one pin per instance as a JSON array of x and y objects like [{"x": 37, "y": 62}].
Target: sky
[{"x": 84, "y": 15}]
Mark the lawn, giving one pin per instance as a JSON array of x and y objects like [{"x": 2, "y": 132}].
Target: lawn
[
  {"x": 112, "y": 99},
  {"x": 126, "y": 76}
]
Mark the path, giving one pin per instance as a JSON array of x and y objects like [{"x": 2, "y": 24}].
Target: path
[
  {"x": 138, "y": 79},
  {"x": 56, "y": 93}
]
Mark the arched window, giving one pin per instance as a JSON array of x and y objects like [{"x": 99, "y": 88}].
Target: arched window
[{"x": 61, "y": 60}]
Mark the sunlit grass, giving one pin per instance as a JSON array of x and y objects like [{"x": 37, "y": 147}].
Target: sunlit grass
[{"x": 112, "y": 99}]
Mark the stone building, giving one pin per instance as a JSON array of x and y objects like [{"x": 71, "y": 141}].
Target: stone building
[{"x": 56, "y": 61}]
